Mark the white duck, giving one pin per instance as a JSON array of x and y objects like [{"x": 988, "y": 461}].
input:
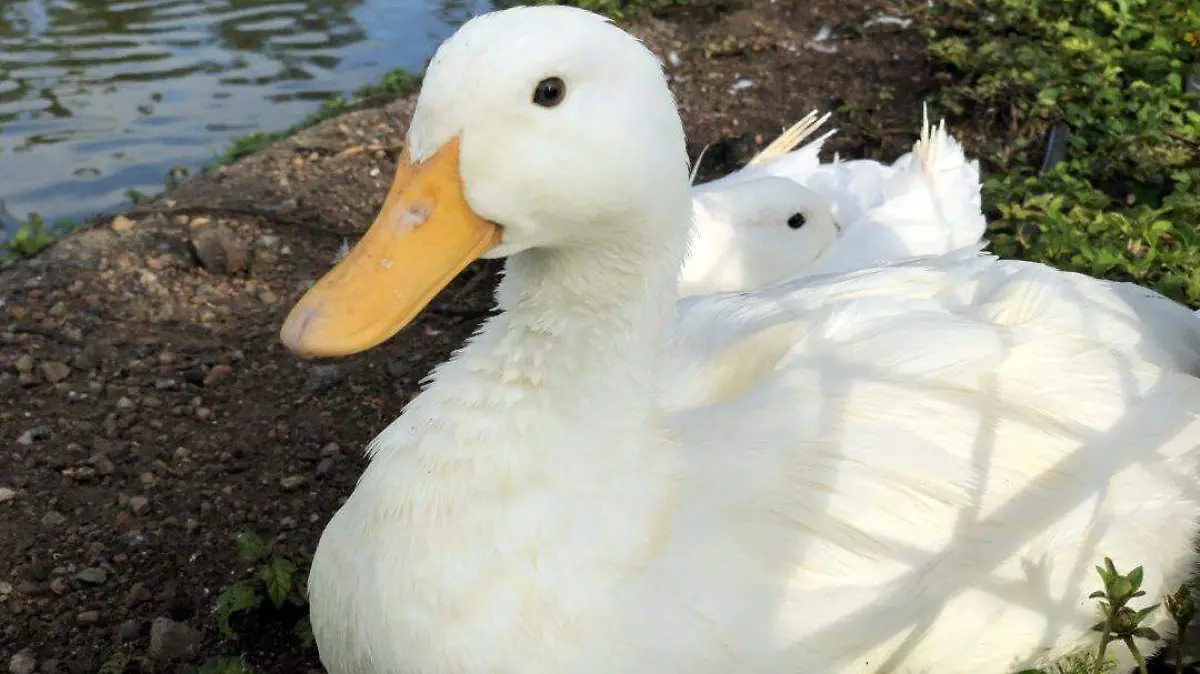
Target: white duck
[
  {"x": 759, "y": 225},
  {"x": 909, "y": 468},
  {"x": 786, "y": 215}
]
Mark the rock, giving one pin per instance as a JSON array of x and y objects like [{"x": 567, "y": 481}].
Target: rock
[
  {"x": 60, "y": 586},
  {"x": 219, "y": 250},
  {"x": 88, "y": 617},
  {"x": 33, "y": 435},
  {"x": 121, "y": 224},
  {"x": 22, "y": 663},
  {"x": 138, "y": 593},
  {"x": 130, "y": 630},
  {"x": 325, "y": 465},
  {"x": 24, "y": 364},
  {"x": 217, "y": 374},
  {"x": 7, "y": 494},
  {"x": 138, "y": 504},
  {"x": 55, "y": 371},
  {"x": 293, "y": 482},
  {"x": 170, "y": 640},
  {"x": 53, "y": 519},
  {"x": 125, "y": 403},
  {"x": 321, "y": 377},
  {"x": 102, "y": 464},
  {"x": 92, "y": 575}
]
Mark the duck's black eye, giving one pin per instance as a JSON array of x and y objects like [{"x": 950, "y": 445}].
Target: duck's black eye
[
  {"x": 550, "y": 92},
  {"x": 797, "y": 220}
]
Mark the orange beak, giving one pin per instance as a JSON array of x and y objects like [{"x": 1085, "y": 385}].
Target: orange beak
[{"x": 422, "y": 238}]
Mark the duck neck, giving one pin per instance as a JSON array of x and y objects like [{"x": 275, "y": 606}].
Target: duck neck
[{"x": 574, "y": 355}]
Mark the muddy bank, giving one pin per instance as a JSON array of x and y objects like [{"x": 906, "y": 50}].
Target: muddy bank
[{"x": 148, "y": 412}]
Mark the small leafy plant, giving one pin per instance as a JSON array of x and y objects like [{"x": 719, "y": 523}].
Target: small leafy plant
[
  {"x": 1120, "y": 621},
  {"x": 32, "y": 236},
  {"x": 272, "y": 579}
]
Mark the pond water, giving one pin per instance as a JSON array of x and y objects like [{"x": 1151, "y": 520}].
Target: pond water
[{"x": 98, "y": 97}]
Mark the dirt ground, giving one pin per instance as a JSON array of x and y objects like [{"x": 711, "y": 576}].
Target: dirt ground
[{"x": 148, "y": 411}]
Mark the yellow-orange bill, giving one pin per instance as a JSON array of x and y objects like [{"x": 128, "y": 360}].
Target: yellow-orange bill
[{"x": 424, "y": 235}]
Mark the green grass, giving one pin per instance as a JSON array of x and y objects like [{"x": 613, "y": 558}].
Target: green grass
[{"x": 1125, "y": 202}]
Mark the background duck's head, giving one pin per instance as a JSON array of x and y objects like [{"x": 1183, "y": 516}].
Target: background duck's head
[{"x": 536, "y": 128}]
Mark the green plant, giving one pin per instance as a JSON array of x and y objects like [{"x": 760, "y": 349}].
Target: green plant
[
  {"x": 1124, "y": 202},
  {"x": 32, "y": 236},
  {"x": 115, "y": 664},
  {"x": 222, "y": 665},
  {"x": 272, "y": 578},
  {"x": 1121, "y": 622},
  {"x": 1182, "y": 608}
]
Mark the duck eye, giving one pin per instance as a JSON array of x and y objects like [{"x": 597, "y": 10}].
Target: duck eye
[
  {"x": 550, "y": 92},
  {"x": 797, "y": 220}
]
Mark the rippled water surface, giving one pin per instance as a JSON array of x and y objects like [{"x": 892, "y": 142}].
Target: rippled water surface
[{"x": 98, "y": 97}]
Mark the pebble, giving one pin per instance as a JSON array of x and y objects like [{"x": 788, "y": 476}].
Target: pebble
[
  {"x": 130, "y": 630},
  {"x": 22, "y": 663},
  {"x": 55, "y": 371},
  {"x": 60, "y": 586},
  {"x": 88, "y": 617},
  {"x": 24, "y": 364},
  {"x": 217, "y": 374},
  {"x": 138, "y": 504},
  {"x": 53, "y": 519},
  {"x": 325, "y": 465},
  {"x": 293, "y": 482},
  {"x": 33, "y": 435},
  {"x": 7, "y": 494},
  {"x": 125, "y": 403},
  {"x": 121, "y": 224},
  {"x": 218, "y": 250},
  {"x": 92, "y": 575},
  {"x": 170, "y": 640},
  {"x": 321, "y": 377}
]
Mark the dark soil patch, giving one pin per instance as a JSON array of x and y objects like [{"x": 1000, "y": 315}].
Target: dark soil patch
[{"x": 148, "y": 411}]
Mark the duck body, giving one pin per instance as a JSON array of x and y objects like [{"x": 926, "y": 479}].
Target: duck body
[
  {"x": 913, "y": 467},
  {"x": 881, "y": 541}
]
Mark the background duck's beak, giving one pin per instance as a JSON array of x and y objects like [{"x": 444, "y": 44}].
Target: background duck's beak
[{"x": 423, "y": 237}]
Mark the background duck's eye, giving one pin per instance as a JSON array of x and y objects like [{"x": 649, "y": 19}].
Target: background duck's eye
[
  {"x": 550, "y": 92},
  {"x": 797, "y": 220}
]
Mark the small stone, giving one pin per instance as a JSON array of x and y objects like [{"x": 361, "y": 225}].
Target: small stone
[
  {"x": 92, "y": 575},
  {"x": 203, "y": 413},
  {"x": 138, "y": 504},
  {"x": 22, "y": 663},
  {"x": 60, "y": 586},
  {"x": 53, "y": 519},
  {"x": 7, "y": 494},
  {"x": 130, "y": 630},
  {"x": 33, "y": 435},
  {"x": 293, "y": 482},
  {"x": 321, "y": 377},
  {"x": 121, "y": 224},
  {"x": 218, "y": 250},
  {"x": 331, "y": 449},
  {"x": 5, "y": 589},
  {"x": 217, "y": 374},
  {"x": 55, "y": 371},
  {"x": 88, "y": 617},
  {"x": 325, "y": 465},
  {"x": 170, "y": 640},
  {"x": 102, "y": 464},
  {"x": 125, "y": 403},
  {"x": 138, "y": 593},
  {"x": 24, "y": 364}
]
